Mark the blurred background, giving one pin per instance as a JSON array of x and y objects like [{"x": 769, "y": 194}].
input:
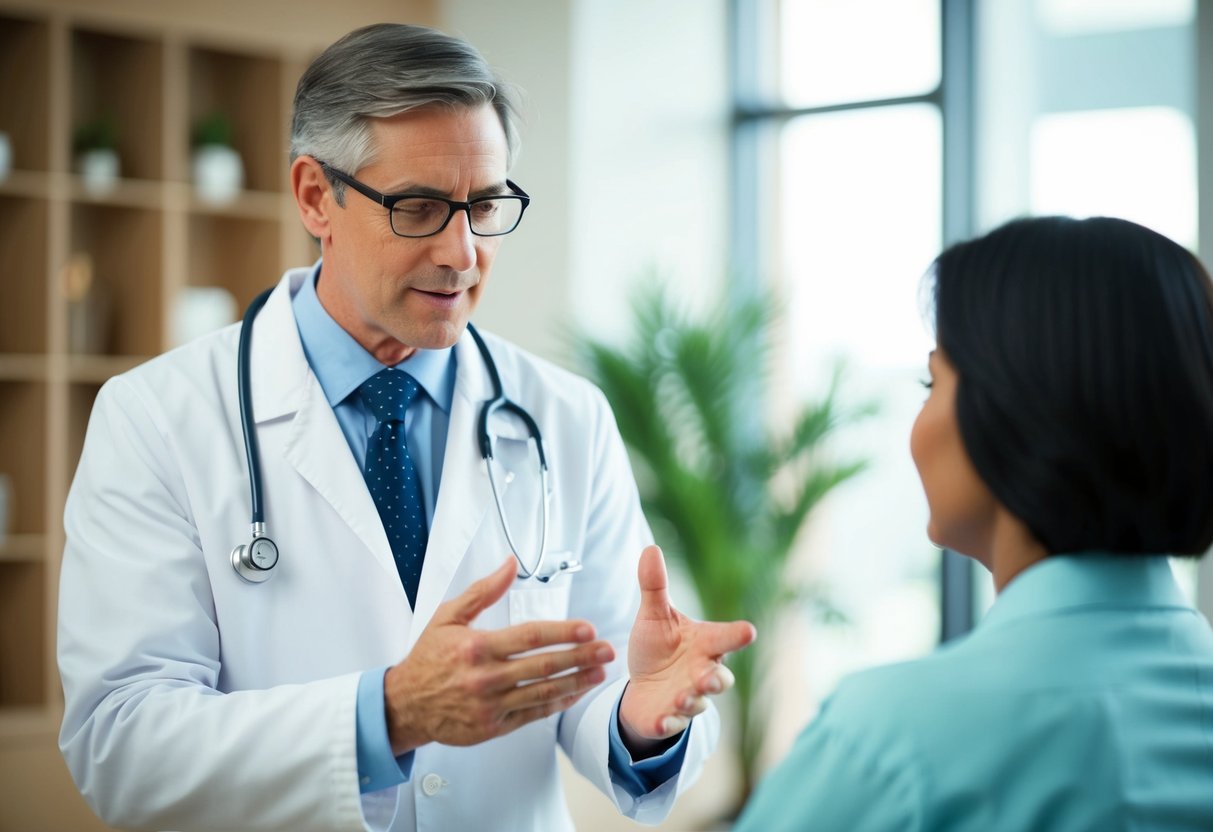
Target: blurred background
[{"x": 814, "y": 155}]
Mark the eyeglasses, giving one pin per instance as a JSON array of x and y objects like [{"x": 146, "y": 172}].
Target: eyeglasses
[{"x": 421, "y": 215}]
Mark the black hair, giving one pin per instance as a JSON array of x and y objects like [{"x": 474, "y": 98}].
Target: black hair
[{"x": 1084, "y": 355}]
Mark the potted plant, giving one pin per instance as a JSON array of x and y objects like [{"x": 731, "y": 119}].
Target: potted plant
[
  {"x": 218, "y": 171},
  {"x": 726, "y": 494},
  {"x": 95, "y": 145}
]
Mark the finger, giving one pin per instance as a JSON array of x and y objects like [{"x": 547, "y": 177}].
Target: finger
[
  {"x": 532, "y": 668},
  {"x": 717, "y": 679},
  {"x": 538, "y": 694},
  {"x": 690, "y": 705},
  {"x": 535, "y": 634},
  {"x": 718, "y": 638},
  {"x": 478, "y": 597},
  {"x": 517, "y": 719},
  {"x": 654, "y": 583}
]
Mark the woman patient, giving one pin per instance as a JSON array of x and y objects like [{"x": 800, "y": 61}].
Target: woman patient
[{"x": 1067, "y": 445}]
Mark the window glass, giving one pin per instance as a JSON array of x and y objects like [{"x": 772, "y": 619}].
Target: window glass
[
  {"x": 1074, "y": 17},
  {"x": 833, "y": 51},
  {"x": 1138, "y": 163},
  {"x": 859, "y": 222}
]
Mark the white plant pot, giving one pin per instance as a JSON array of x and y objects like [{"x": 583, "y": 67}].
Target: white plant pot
[
  {"x": 6, "y": 156},
  {"x": 218, "y": 173},
  {"x": 99, "y": 170}
]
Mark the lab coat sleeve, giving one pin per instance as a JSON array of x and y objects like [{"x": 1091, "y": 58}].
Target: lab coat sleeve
[
  {"x": 149, "y": 737},
  {"x": 607, "y": 593}
]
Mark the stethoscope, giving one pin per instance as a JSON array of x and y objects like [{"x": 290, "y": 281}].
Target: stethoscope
[{"x": 255, "y": 561}]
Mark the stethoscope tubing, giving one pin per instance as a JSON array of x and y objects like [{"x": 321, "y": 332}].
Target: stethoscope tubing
[{"x": 252, "y": 450}]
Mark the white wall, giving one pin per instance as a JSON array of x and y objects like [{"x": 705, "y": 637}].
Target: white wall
[
  {"x": 625, "y": 152},
  {"x": 529, "y": 42}
]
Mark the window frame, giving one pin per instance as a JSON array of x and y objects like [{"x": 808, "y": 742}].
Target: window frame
[{"x": 755, "y": 123}]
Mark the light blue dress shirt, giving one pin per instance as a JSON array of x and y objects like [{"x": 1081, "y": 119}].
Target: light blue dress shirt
[
  {"x": 341, "y": 365},
  {"x": 1083, "y": 701}
]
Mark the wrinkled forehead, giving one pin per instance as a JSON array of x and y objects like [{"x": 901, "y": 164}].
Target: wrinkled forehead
[{"x": 441, "y": 148}]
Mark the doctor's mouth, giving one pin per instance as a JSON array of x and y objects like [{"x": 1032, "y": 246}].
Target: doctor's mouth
[{"x": 443, "y": 300}]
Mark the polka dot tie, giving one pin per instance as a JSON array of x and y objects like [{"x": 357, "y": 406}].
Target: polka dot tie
[{"x": 391, "y": 476}]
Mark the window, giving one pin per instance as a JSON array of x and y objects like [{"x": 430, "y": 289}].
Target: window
[{"x": 839, "y": 147}]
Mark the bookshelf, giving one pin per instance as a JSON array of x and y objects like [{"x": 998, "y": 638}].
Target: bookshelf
[{"x": 90, "y": 278}]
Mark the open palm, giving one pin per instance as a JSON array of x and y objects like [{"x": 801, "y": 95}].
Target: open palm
[{"x": 674, "y": 662}]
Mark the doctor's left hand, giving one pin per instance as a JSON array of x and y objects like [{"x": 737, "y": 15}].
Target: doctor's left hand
[{"x": 674, "y": 662}]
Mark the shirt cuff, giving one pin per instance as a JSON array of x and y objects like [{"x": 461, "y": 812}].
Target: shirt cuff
[
  {"x": 641, "y": 777},
  {"x": 378, "y": 768}
]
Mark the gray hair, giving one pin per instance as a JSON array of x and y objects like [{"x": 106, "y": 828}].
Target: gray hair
[{"x": 381, "y": 71}]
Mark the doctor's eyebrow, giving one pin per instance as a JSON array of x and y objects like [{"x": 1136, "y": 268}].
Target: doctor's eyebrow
[{"x": 414, "y": 189}]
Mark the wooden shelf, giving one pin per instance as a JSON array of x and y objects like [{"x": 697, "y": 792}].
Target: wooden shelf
[
  {"x": 26, "y": 183},
  {"x": 90, "y": 280},
  {"x": 97, "y": 369},
  {"x": 255, "y": 205},
  {"x": 23, "y": 367},
  {"x": 23, "y": 548},
  {"x": 18, "y": 723},
  {"x": 125, "y": 193}
]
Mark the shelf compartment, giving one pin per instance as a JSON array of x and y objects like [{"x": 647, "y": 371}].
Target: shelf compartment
[
  {"x": 23, "y": 677},
  {"x": 25, "y": 90},
  {"x": 81, "y": 398},
  {"x": 237, "y": 254},
  {"x": 23, "y": 417},
  {"x": 23, "y": 247},
  {"x": 120, "y": 78},
  {"x": 247, "y": 90},
  {"x": 113, "y": 281}
]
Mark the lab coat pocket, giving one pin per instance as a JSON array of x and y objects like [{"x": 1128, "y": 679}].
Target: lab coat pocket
[{"x": 543, "y": 602}]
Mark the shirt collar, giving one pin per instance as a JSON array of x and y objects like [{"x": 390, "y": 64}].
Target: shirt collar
[
  {"x": 341, "y": 364},
  {"x": 1086, "y": 579}
]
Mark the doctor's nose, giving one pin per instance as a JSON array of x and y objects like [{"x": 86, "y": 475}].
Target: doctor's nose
[{"x": 455, "y": 246}]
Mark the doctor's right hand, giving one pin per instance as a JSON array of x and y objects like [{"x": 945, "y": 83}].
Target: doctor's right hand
[{"x": 460, "y": 686}]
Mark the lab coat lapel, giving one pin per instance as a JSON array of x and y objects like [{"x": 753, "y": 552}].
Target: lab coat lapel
[
  {"x": 464, "y": 496},
  {"x": 283, "y": 383}
]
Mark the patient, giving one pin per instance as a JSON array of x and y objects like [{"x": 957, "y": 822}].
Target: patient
[{"x": 1067, "y": 445}]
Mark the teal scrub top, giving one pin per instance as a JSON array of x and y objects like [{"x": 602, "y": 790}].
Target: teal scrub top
[{"x": 1083, "y": 701}]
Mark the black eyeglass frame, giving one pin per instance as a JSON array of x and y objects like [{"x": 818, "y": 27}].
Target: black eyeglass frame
[{"x": 389, "y": 201}]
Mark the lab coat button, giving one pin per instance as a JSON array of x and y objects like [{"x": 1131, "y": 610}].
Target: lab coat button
[{"x": 431, "y": 784}]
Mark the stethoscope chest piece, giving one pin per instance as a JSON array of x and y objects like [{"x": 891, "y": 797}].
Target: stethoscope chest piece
[{"x": 255, "y": 561}]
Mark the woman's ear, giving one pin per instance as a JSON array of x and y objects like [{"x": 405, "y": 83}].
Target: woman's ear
[{"x": 313, "y": 196}]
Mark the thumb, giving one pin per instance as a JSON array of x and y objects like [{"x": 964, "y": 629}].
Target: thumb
[
  {"x": 479, "y": 596},
  {"x": 654, "y": 582}
]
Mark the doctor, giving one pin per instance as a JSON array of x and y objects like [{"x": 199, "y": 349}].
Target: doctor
[{"x": 394, "y": 672}]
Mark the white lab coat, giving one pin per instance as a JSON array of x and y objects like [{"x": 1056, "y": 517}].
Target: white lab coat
[{"x": 197, "y": 701}]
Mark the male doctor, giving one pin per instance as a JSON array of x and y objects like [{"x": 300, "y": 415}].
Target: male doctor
[{"x": 394, "y": 672}]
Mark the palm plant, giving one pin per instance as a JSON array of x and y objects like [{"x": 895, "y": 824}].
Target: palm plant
[{"x": 725, "y": 494}]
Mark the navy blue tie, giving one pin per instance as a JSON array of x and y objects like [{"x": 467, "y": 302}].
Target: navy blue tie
[{"x": 391, "y": 475}]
